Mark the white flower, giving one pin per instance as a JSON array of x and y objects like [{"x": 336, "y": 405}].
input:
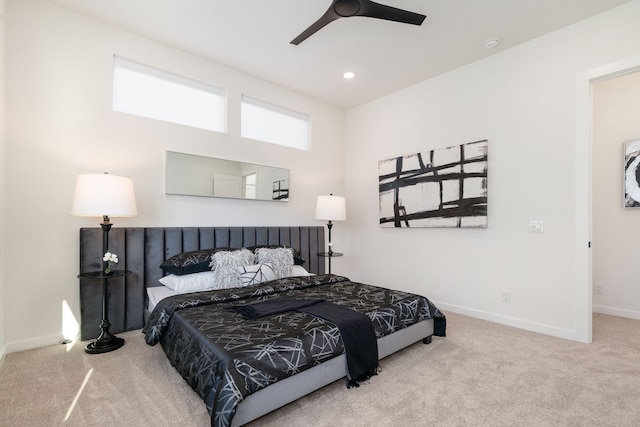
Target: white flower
[{"x": 108, "y": 256}]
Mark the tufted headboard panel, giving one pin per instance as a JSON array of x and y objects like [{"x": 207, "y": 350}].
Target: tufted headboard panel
[{"x": 142, "y": 250}]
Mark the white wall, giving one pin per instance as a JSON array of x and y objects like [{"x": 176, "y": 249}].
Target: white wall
[
  {"x": 2, "y": 182},
  {"x": 615, "y": 229},
  {"x": 60, "y": 124},
  {"x": 527, "y": 102}
]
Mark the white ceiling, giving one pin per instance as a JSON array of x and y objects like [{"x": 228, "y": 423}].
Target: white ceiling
[{"x": 253, "y": 36}]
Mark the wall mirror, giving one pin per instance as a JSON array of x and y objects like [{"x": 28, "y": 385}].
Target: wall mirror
[{"x": 193, "y": 175}]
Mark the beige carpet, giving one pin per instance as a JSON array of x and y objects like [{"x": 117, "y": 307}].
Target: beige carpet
[{"x": 482, "y": 374}]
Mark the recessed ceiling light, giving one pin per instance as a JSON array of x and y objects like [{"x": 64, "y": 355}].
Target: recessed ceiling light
[
  {"x": 491, "y": 43},
  {"x": 349, "y": 75}
]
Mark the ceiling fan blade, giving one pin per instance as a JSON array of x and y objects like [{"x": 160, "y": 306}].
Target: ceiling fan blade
[
  {"x": 328, "y": 17},
  {"x": 376, "y": 10}
]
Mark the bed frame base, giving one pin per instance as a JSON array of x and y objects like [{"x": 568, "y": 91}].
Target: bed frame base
[{"x": 290, "y": 389}]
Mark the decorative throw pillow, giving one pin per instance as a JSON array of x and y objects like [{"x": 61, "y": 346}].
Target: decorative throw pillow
[
  {"x": 247, "y": 256},
  {"x": 281, "y": 259},
  {"x": 256, "y": 273},
  {"x": 298, "y": 259},
  {"x": 190, "y": 262},
  {"x": 226, "y": 266},
  {"x": 193, "y": 282}
]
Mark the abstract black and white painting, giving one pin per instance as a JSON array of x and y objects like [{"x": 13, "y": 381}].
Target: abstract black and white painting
[
  {"x": 445, "y": 187},
  {"x": 281, "y": 190},
  {"x": 632, "y": 174}
]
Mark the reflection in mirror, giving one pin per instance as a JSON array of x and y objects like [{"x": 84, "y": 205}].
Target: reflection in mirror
[{"x": 193, "y": 175}]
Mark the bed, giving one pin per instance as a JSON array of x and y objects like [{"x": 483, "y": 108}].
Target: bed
[{"x": 244, "y": 368}]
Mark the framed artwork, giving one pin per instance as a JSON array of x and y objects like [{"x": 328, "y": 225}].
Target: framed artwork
[
  {"x": 281, "y": 189},
  {"x": 632, "y": 174},
  {"x": 445, "y": 187}
]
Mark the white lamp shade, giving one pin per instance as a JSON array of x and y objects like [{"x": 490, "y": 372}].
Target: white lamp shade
[
  {"x": 104, "y": 194},
  {"x": 331, "y": 208}
]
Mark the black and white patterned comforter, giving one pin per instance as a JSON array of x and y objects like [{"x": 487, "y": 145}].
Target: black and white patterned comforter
[{"x": 225, "y": 357}]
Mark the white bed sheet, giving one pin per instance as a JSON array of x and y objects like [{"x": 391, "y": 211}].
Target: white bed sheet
[{"x": 157, "y": 293}]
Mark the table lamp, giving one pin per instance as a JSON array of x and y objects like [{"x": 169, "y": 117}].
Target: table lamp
[
  {"x": 331, "y": 208},
  {"x": 104, "y": 195}
]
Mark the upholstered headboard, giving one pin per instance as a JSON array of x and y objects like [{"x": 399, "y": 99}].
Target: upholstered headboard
[{"x": 142, "y": 250}]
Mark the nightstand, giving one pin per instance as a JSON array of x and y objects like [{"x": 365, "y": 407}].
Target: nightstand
[
  {"x": 330, "y": 255},
  {"x": 106, "y": 341}
]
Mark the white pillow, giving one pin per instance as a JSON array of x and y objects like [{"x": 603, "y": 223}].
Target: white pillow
[
  {"x": 281, "y": 259},
  {"x": 256, "y": 273},
  {"x": 298, "y": 270},
  {"x": 193, "y": 282}
]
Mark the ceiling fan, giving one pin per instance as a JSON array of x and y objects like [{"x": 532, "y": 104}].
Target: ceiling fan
[{"x": 347, "y": 8}]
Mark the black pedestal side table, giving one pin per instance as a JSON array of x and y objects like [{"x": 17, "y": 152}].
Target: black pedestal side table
[
  {"x": 330, "y": 255},
  {"x": 106, "y": 341}
]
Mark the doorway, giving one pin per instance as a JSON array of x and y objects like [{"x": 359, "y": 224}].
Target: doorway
[
  {"x": 583, "y": 190},
  {"x": 615, "y": 114}
]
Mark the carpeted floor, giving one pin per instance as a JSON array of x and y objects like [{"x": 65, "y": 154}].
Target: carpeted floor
[{"x": 481, "y": 374}]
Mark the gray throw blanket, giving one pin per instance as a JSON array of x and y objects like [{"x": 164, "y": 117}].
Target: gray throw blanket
[
  {"x": 272, "y": 306},
  {"x": 356, "y": 330}
]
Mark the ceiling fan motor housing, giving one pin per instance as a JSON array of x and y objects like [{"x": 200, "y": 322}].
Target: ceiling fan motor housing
[{"x": 347, "y": 8}]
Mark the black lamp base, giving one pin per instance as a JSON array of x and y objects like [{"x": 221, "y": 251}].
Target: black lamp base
[{"x": 104, "y": 346}]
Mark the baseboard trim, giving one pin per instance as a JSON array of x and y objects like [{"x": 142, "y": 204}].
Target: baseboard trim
[
  {"x": 31, "y": 344},
  {"x": 619, "y": 312},
  {"x": 511, "y": 321}
]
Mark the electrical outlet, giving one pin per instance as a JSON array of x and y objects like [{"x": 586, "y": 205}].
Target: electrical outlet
[
  {"x": 597, "y": 289},
  {"x": 506, "y": 297},
  {"x": 536, "y": 226}
]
